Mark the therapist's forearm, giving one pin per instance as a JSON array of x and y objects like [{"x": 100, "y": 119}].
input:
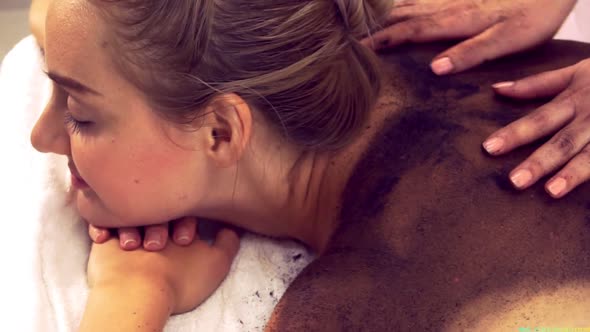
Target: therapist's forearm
[{"x": 129, "y": 306}]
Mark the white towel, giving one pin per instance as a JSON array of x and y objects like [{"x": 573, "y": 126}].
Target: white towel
[
  {"x": 577, "y": 25},
  {"x": 44, "y": 245}
]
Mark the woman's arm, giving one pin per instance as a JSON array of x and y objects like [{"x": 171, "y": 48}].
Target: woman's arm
[
  {"x": 130, "y": 305},
  {"x": 138, "y": 290}
]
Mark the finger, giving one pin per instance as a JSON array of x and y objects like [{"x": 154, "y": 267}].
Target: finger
[
  {"x": 184, "y": 231},
  {"x": 404, "y": 10},
  {"x": 576, "y": 172},
  {"x": 426, "y": 29},
  {"x": 97, "y": 234},
  {"x": 553, "y": 154},
  {"x": 541, "y": 122},
  {"x": 487, "y": 45},
  {"x": 129, "y": 238},
  {"x": 546, "y": 84},
  {"x": 155, "y": 237},
  {"x": 228, "y": 242}
]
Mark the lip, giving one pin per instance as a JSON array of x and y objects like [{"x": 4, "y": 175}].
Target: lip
[{"x": 77, "y": 181}]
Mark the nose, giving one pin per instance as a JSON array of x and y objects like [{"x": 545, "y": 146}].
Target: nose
[{"x": 49, "y": 133}]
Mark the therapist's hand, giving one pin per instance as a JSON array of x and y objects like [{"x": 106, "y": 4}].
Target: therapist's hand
[
  {"x": 155, "y": 237},
  {"x": 493, "y": 28},
  {"x": 566, "y": 117}
]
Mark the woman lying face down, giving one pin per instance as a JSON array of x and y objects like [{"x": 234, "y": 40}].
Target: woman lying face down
[
  {"x": 226, "y": 111},
  {"x": 277, "y": 180}
]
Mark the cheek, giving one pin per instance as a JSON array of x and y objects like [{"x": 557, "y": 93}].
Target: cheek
[{"x": 136, "y": 184}]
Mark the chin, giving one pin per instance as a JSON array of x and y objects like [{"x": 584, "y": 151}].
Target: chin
[{"x": 90, "y": 209}]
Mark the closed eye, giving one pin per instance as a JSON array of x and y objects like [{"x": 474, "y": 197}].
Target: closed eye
[{"x": 73, "y": 124}]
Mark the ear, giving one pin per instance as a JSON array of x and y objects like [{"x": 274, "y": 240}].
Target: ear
[{"x": 230, "y": 129}]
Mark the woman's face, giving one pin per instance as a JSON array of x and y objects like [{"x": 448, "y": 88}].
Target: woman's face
[{"x": 130, "y": 167}]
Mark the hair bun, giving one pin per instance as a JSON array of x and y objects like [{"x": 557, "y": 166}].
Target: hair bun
[{"x": 361, "y": 17}]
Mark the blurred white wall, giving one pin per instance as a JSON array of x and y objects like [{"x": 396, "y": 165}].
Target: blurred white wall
[
  {"x": 14, "y": 25},
  {"x": 12, "y": 4}
]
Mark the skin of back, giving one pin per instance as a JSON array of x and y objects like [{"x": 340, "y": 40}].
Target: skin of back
[{"x": 433, "y": 237}]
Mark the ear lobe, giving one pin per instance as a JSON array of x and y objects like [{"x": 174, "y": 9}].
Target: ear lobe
[{"x": 230, "y": 129}]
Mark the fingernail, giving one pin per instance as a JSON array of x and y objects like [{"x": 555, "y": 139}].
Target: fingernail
[
  {"x": 493, "y": 145},
  {"x": 502, "y": 85},
  {"x": 129, "y": 243},
  {"x": 154, "y": 241},
  {"x": 94, "y": 234},
  {"x": 521, "y": 178},
  {"x": 557, "y": 186},
  {"x": 182, "y": 238},
  {"x": 442, "y": 66}
]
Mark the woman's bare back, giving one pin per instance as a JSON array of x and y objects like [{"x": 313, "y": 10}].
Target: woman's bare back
[{"x": 433, "y": 235}]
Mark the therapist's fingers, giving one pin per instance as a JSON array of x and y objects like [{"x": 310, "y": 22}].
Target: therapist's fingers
[
  {"x": 540, "y": 123},
  {"x": 546, "y": 84},
  {"x": 184, "y": 231},
  {"x": 155, "y": 237},
  {"x": 489, "y": 44},
  {"x": 405, "y": 10},
  {"x": 427, "y": 28},
  {"x": 558, "y": 151},
  {"x": 129, "y": 238},
  {"x": 573, "y": 174},
  {"x": 97, "y": 234}
]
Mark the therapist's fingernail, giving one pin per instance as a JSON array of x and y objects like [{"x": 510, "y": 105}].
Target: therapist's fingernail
[
  {"x": 557, "y": 186},
  {"x": 503, "y": 85},
  {"x": 493, "y": 145},
  {"x": 442, "y": 66},
  {"x": 521, "y": 178}
]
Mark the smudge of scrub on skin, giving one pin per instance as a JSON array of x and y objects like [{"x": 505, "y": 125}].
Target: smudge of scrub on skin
[
  {"x": 402, "y": 144},
  {"x": 432, "y": 85}
]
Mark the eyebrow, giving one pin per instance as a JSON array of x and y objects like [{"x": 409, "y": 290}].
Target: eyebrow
[{"x": 71, "y": 83}]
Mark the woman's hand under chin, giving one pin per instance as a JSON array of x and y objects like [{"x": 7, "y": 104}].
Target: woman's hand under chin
[
  {"x": 138, "y": 290},
  {"x": 155, "y": 237},
  {"x": 186, "y": 274}
]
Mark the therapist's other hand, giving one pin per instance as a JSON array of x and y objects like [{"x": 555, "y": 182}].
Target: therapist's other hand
[
  {"x": 566, "y": 117},
  {"x": 155, "y": 237},
  {"x": 493, "y": 28},
  {"x": 187, "y": 274}
]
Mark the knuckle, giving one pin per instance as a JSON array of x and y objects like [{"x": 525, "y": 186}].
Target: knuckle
[
  {"x": 537, "y": 166},
  {"x": 421, "y": 27},
  {"x": 584, "y": 157},
  {"x": 564, "y": 143},
  {"x": 222, "y": 256},
  {"x": 536, "y": 120},
  {"x": 415, "y": 29}
]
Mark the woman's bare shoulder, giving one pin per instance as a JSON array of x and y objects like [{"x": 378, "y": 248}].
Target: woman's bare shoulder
[{"x": 433, "y": 234}]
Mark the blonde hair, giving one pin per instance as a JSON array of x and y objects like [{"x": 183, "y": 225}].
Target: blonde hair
[{"x": 299, "y": 62}]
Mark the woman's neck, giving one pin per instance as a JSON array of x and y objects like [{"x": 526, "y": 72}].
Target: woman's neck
[{"x": 284, "y": 192}]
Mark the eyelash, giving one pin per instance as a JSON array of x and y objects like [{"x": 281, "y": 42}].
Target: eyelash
[{"x": 76, "y": 126}]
